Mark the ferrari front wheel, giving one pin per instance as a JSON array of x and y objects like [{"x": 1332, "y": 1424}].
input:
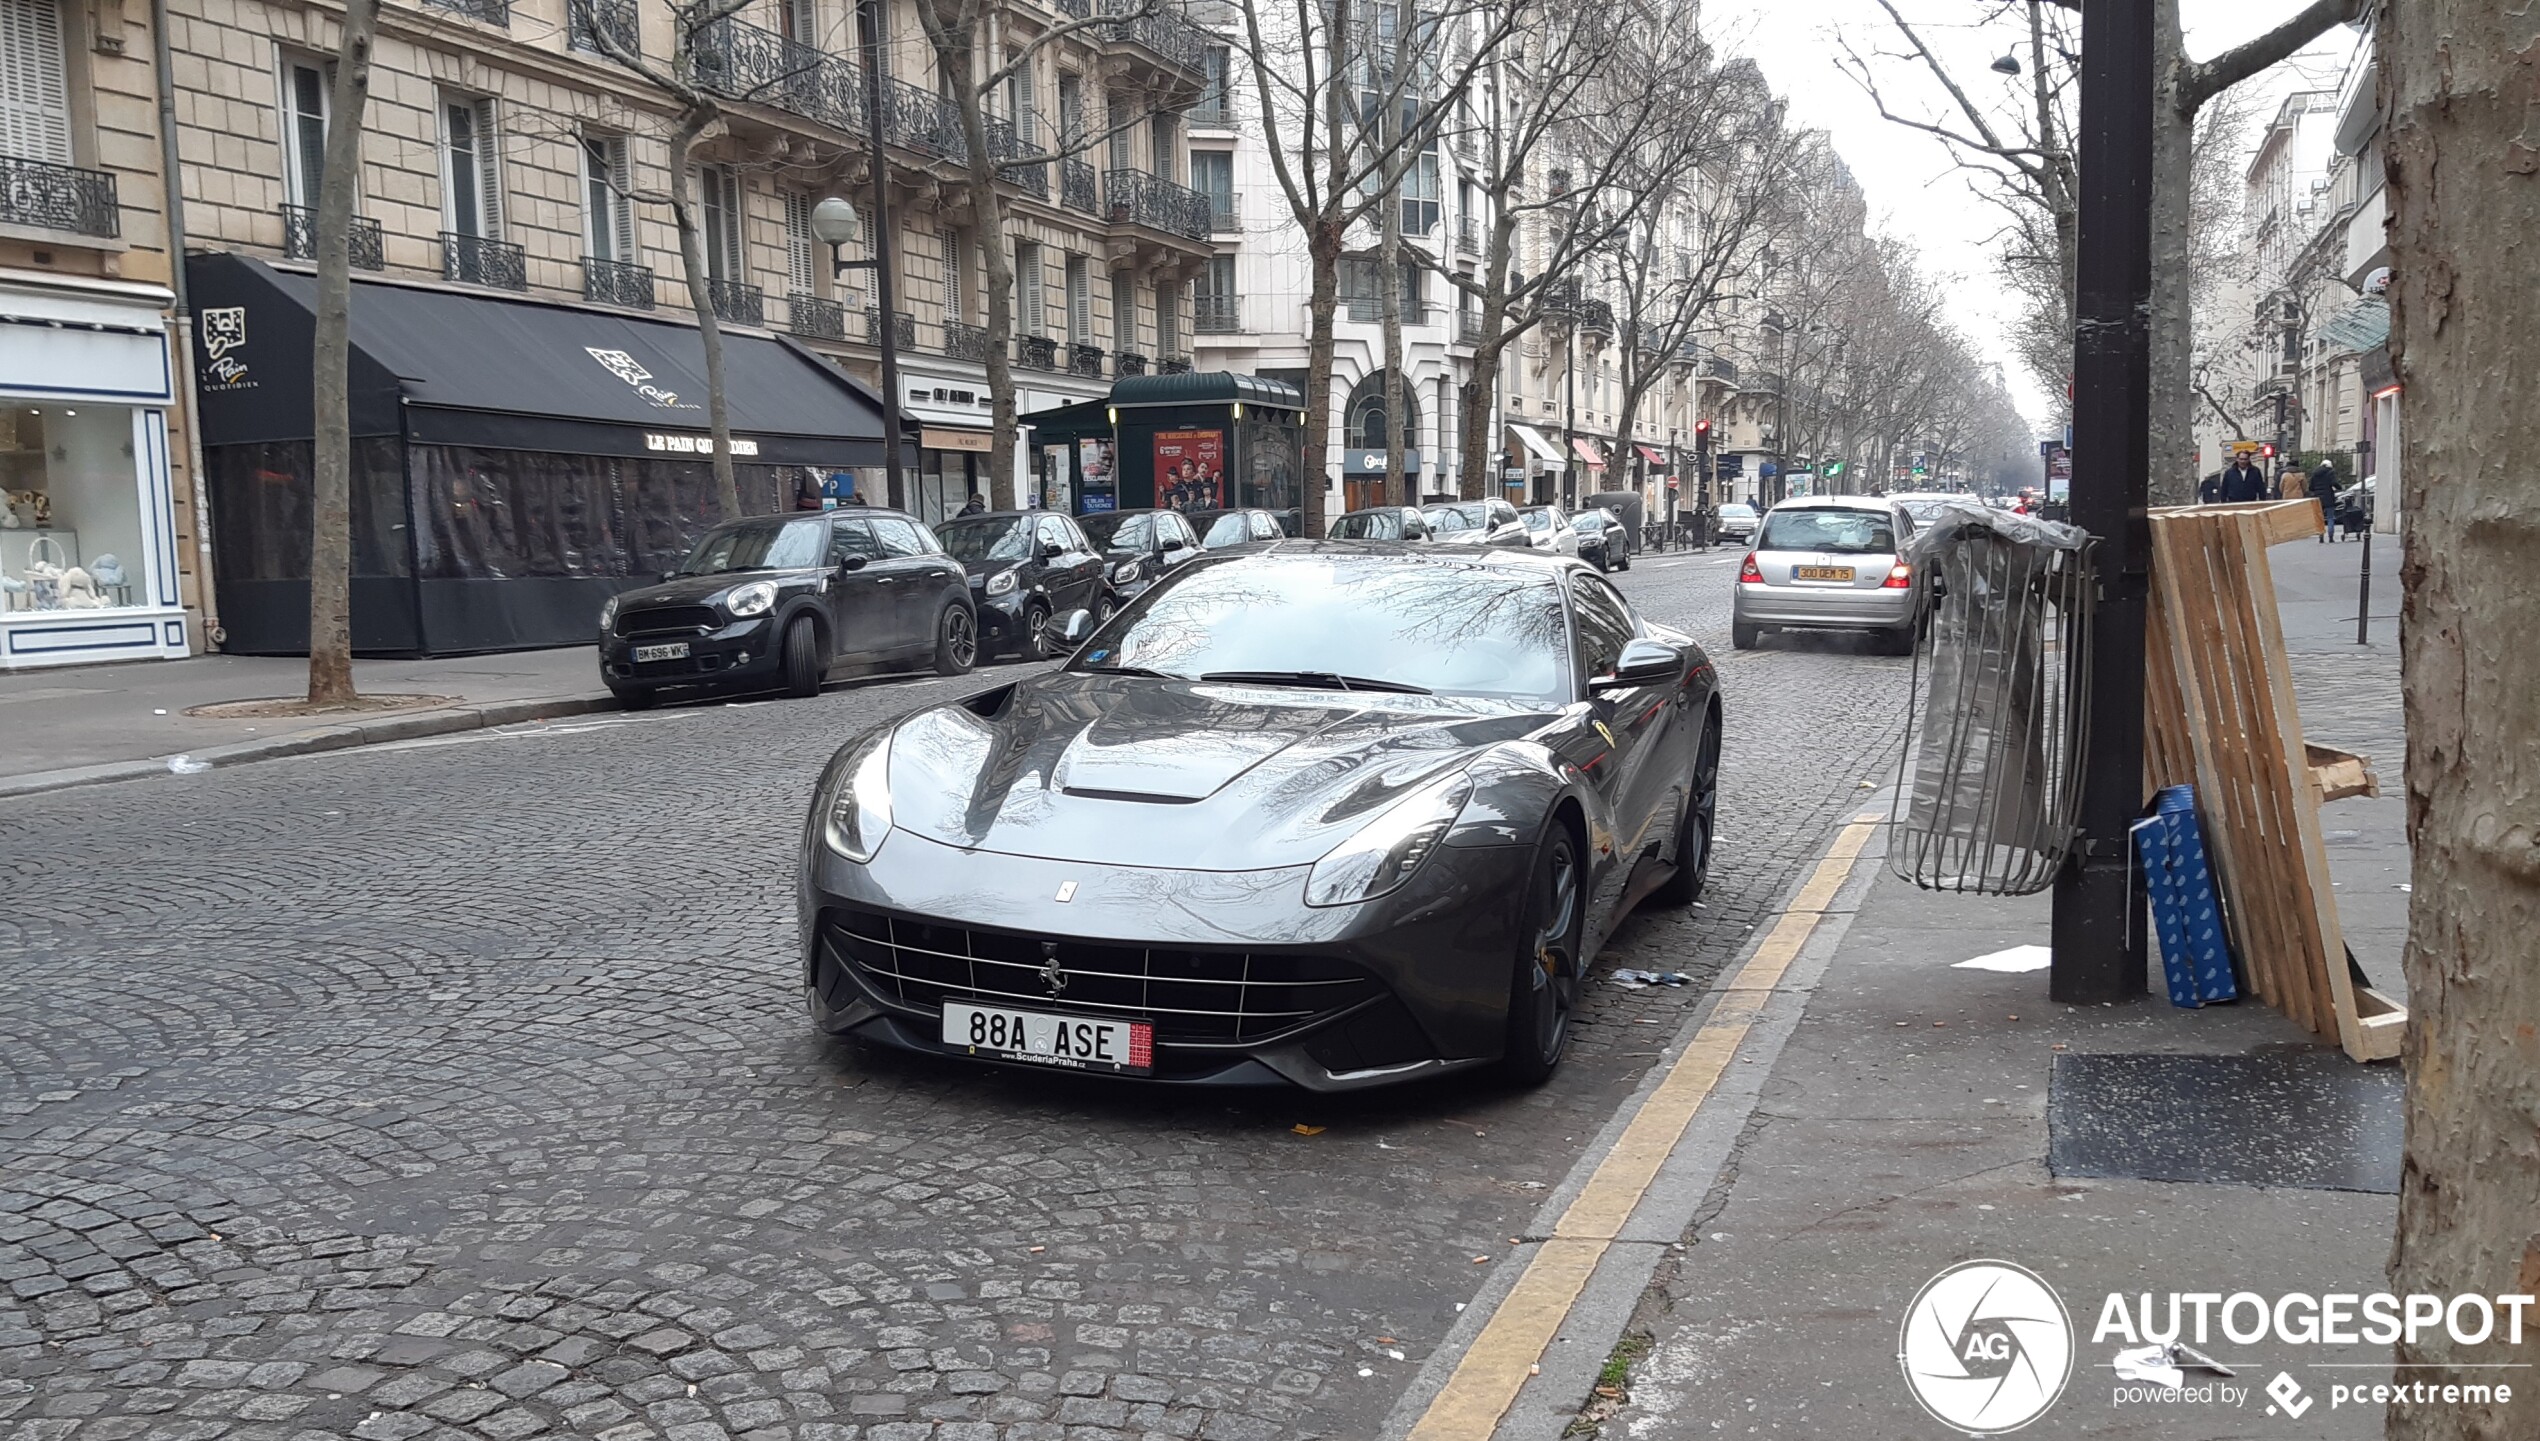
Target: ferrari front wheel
[{"x": 1545, "y": 984}]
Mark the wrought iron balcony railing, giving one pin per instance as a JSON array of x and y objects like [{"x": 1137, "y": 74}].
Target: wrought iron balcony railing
[
  {"x": 1720, "y": 367},
  {"x": 1370, "y": 310},
  {"x": 1076, "y": 188},
  {"x": 1085, "y": 360},
  {"x": 299, "y": 238},
  {"x": 1162, "y": 33},
  {"x": 965, "y": 341},
  {"x": 1128, "y": 362},
  {"x": 483, "y": 260},
  {"x": 614, "y": 282},
  {"x": 1218, "y": 314},
  {"x": 741, "y": 61},
  {"x": 903, "y": 328},
  {"x": 587, "y": 22},
  {"x": 1468, "y": 236},
  {"x": 492, "y": 12},
  {"x": 1596, "y": 317},
  {"x": 923, "y": 121},
  {"x": 813, "y": 318},
  {"x": 1214, "y": 112},
  {"x": 1036, "y": 352},
  {"x": 1133, "y": 197},
  {"x": 1173, "y": 365},
  {"x": 736, "y": 303},
  {"x": 1226, "y": 213},
  {"x": 1468, "y": 326},
  {"x": 59, "y": 197}
]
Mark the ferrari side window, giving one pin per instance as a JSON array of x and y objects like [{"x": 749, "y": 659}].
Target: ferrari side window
[{"x": 1604, "y": 625}]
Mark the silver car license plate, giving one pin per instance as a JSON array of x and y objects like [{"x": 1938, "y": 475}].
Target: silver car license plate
[
  {"x": 667, "y": 650},
  {"x": 1080, "y": 1042}
]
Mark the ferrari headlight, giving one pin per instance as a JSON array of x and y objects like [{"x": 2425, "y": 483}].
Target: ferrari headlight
[
  {"x": 856, "y": 814},
  {"x": 1389, "y": 848},
  {"x": 1001, "y": 582},
  {"x": 608, "y": 613},
  {"x": 756, "y": 598},
  {"x": 1125, "y": 572}
]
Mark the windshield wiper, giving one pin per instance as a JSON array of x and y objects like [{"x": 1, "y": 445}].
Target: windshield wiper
[
  {"x": 1320, "y": 679},
  {"x": 1132, "y": 670}
]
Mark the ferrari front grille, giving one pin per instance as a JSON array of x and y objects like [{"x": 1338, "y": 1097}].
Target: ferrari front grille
[{"x": 1195, "y": 997}]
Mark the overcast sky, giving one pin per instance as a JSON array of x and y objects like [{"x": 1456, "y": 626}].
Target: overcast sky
[{"x": 1911, "y": 184}]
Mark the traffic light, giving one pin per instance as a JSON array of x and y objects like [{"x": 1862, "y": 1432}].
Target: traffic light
[
  {"x": 1701, "y": 433},
  {"x": 2266, "y": 452}
]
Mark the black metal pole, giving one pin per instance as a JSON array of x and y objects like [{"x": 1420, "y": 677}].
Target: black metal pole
[
  {"x": 2096, "y": 931},
  {"x": 888, "y": 321}
]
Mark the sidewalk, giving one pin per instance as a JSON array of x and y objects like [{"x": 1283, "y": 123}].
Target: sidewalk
[
  {"x": 1916, "y": 1115},
  {"x": 83, "y": 724}
]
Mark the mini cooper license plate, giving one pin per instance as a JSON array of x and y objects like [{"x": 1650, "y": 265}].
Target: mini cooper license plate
[
  {"x": 1821, "y": 572},
  {"x": 1080, "y": 1042},
  {"x": 667, "y": 650}
]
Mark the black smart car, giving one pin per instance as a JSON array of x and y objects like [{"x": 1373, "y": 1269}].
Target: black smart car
[
  {"x": 1141, "y": 546},
  {"x": 1025, "y": 566},
  {"x": 777, "y": 600}
]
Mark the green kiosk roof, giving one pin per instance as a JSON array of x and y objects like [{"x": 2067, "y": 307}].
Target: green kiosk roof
[{"x": 1205, "y": 387}]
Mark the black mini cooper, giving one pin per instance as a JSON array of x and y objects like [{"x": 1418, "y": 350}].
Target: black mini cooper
[{"x": 778, "y": 600}]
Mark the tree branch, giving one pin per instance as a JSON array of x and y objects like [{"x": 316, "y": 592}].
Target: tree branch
[{"x": 2200, "y": 81}]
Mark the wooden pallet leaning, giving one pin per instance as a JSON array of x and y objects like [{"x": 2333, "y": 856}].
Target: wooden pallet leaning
[{"x": 2219, "y": 713}]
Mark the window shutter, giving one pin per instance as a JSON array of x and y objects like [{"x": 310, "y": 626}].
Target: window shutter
[
  {"x": 1032, "y": 312},
  {"x": 621, "y": 165},
  {"x": 35, "y": 103},
  {"x": 489, "y": 172},
  {"x": 1080, "y": 301},
  {"x": 798, "y": 253}
]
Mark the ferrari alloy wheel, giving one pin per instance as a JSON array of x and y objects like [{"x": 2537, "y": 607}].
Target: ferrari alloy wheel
[
  {"x": 1694, "y": 831},
  {"x": 1546, "y": 983},
  {"x": 956, "y": 641},
  {"x": 802, "y": 659}
]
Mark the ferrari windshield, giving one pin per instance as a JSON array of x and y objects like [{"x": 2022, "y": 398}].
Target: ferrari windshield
[
  {"x": 987, "y": 538},
  {"x": 769, "y": 543},
  {"x": 1399, "y": 621}
]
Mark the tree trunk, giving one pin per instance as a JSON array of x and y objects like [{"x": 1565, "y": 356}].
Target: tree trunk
[
  {"x": 331, "y": 470},
  {"x": 2457, "y": 84},
  {"x": 692, "y": 259},
  {"x": 1480, "y": 415},
  {"x": 1314, "y": 477},
  {"x": 987, "y": 211},
  {"x": 1389, "y": 263},
  {"x": 2173, "y": 320}
]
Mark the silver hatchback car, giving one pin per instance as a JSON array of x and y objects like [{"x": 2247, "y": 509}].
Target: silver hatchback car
[{"x": 1830, "y": 562}]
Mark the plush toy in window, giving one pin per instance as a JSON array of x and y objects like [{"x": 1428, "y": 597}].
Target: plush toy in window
[{"x": 107, "y": 569}]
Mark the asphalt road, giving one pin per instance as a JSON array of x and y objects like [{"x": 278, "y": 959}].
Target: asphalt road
[{"x": 461, "y": 1089}]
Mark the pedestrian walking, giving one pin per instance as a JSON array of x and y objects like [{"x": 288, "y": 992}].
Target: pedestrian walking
[
  {"x": 2243, "y": 483},
  {"x": 2324, "y": 490},
  {"x": 974, "y": 505}
]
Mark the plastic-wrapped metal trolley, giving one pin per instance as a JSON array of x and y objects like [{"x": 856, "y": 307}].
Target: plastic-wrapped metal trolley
[{"x": 1992, "y": 765}]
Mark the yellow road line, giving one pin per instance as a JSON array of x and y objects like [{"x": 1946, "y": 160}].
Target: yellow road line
[{"x": 1511, "y": 1344}]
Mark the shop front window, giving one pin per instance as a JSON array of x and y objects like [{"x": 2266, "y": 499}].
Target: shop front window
[{"x": 70, "y": 531}]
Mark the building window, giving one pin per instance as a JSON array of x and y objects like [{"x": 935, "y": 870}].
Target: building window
[
  {"x": 725, "y": 258},
  {"x": 471, "y": 168},
  {"x": 801, "y": 19},
  {"x": 304, "y": 101},
  {"x": 956, "y": 274},
  {"x": 802, "y": 277},
  {"x": 1124, "y": 312},
  {"x": 1018, "y": 105},
  {"x": 1071, "y": 108},
  {"x": 1117, "y": 107},
  {"x": 1080, "y": 300},
  {"x": 1213, "y": 175},
  {"x": 1420, "y": 193},
  {"x": 1168, "y": 318},
  {"x": 1215, "y": 104},
  {"x": 1365, "y": 424},
  {"x": 1161, "y": 136},
  {"x": 608, "y": 217},
  {"x": 1031, "y": 312},
  {"x": 35, "y": 97}
]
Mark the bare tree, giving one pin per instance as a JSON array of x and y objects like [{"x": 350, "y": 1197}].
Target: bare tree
[
  {"x": 331, "y": 417},
  {"x": 1349, "y": 93},
  {"x": 2455, "y": 78}
]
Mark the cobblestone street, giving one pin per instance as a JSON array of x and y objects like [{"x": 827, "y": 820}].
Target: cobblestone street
[{"x": 462, "y": 1089}]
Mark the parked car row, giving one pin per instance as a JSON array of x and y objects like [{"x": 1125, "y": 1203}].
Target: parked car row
[{"x": 1595, "y": 536}]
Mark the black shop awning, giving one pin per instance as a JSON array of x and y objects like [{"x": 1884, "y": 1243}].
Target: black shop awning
[{"x": 472, "y": 369}]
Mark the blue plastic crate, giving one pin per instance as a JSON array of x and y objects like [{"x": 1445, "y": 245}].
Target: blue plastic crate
[{"x": 2187, "y": 918}]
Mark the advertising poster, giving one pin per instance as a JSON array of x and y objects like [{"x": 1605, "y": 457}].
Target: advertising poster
[
  {"x": 1094, "y": 478},
  {"x": 1190, "y": 469}
]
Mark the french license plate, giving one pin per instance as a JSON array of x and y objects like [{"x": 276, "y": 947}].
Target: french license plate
[
  {"x": 1821, "y": 572},
  {"x": 1081, "y": 1042},
  {"x": 667, "y": 650}
]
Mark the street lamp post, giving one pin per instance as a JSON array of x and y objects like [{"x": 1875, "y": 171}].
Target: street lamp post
[
  {"x": 1570, "y": 411},
  {"x": 833, "y": 222},
  {"x": 2096, "y": 932}
]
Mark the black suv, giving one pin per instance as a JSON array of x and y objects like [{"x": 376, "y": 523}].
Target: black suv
[
  {"x": 1026, "y": 566},
  {"x": 777, "y": 600}
]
